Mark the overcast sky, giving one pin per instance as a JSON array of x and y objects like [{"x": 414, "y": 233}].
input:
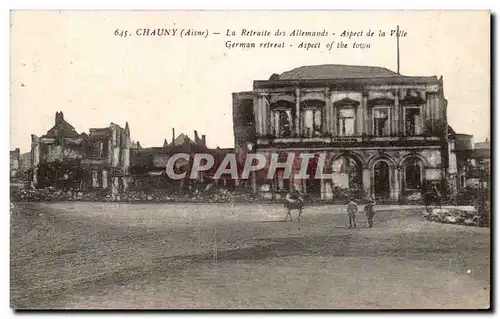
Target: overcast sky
[{"x": 72, "y": 62}]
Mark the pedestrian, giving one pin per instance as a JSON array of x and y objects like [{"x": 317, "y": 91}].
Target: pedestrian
[
  {"x": 352, "y": 210},
  {"x": 370, "y": 212}
]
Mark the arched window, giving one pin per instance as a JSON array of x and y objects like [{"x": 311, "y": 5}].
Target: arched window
[{"x": 413, "y": 174}]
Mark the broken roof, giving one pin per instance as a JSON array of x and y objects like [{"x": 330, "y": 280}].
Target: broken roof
[
  {"x": 181, "y": 139},
  {"x": 63, "y": 128}
]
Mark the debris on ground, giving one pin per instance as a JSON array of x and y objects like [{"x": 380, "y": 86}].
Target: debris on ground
[
  {"x": 458, "y": 216},
  {"x": 52, "y": 195}
]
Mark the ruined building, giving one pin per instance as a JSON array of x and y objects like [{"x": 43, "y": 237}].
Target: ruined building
[
  {"x": 107, "y": 157},
  {"x": 149, "y": 162},
  {"x": 473, "y": 162},
  {"x": 98, "y": 160},
  {"x": 382, "y": 132},
  {"x": 61, "y": 144}
]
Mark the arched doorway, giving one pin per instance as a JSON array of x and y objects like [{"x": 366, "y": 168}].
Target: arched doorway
[{"x": 381, "y": 180}]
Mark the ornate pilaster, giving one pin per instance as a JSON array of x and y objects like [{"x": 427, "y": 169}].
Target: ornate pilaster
[
  {"x": 396, "y": 190},
  {"x": 334, "y": 123},
  {"x": 367, "y": 181},
  {"x": 328, "y": 111},
  {"x": 396, "y": 115},
  {"x": 366, "y": 115},
  {"x": 257, "y": 114},
  {"x": 297, "y": 111}
]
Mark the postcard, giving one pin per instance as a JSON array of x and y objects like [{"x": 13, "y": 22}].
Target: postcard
[{"x": 250, "y": 160}]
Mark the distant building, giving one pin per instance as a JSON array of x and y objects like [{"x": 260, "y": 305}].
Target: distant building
[
  {"x": 481, "y": 163},
  {"x": 14, "y": 162},
  {"x": 149, "y": 162},
  {"x": 473, "y": 161},
  {"x": 486, "y": 145},
  {"x": 153, "y": 160},
  {"x": 382, "y": 132}
]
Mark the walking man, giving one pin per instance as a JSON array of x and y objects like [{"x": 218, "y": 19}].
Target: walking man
[{"x": 352, "y": 210}]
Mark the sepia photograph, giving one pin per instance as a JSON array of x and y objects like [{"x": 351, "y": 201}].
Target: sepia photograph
[{"x": 250, "y": 160}]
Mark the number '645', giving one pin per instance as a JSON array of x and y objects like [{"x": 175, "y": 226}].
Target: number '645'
[{"x": 121, "y": 33}]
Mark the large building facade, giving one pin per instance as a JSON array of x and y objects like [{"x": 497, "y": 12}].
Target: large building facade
[{"x": 383, "y": 133}]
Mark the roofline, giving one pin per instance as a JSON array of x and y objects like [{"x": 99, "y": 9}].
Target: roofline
[
  {"x": 244, "y": 94},
  {"x": 99, "y": 129},
  {"x": 387, "y": 80}
]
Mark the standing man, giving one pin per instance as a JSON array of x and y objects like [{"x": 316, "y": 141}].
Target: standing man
[
  {"x": 352, "y": 210},
  {"x": 370, "y": 212}
]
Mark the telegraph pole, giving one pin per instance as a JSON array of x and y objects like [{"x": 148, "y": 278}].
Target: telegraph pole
[{"x": 397, "y": 45}]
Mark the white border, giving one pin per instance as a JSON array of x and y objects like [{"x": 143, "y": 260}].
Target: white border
[{"x": 185, "y": 4}]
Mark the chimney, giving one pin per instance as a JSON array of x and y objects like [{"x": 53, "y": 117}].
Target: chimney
[
  {"x": 59, "y": 117},
  {"x": 196, "y": 137},
  {"x": 203, "y": 140},
  {"x": 127, "y": 129},
  {"x": 173, "y": 135}
]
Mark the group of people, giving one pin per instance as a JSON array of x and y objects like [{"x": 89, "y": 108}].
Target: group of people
[
  {"x": 295, "y": 196},
  {"x": 352, "y": 211}
]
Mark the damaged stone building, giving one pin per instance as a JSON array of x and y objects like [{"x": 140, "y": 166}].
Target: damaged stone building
[
  {"x": 383, "y": 133},
  {"x": 473, "y": 162},
  {"x": 98, "y": 160},
  {"x": 149, "y": 164},
  {"x": 107, "y": 157}
]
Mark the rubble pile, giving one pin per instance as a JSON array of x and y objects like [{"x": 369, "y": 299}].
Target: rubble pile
[
  {"x": 455, "y": 216},
  {"x": 51, "y": 195},
  {"x": 345, "y": 194}
]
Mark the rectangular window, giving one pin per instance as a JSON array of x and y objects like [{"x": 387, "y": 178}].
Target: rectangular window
[
  {"x": 283, "y": 123},
  {"x": 346, "y": 122},
  {"x": 413, "y": 121},
  {"x": 105, "y": 148},
  {"x": 100, "y": 147},
  {"x": 381, "y": 123},
  {"x": 312, "y": 123}
]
